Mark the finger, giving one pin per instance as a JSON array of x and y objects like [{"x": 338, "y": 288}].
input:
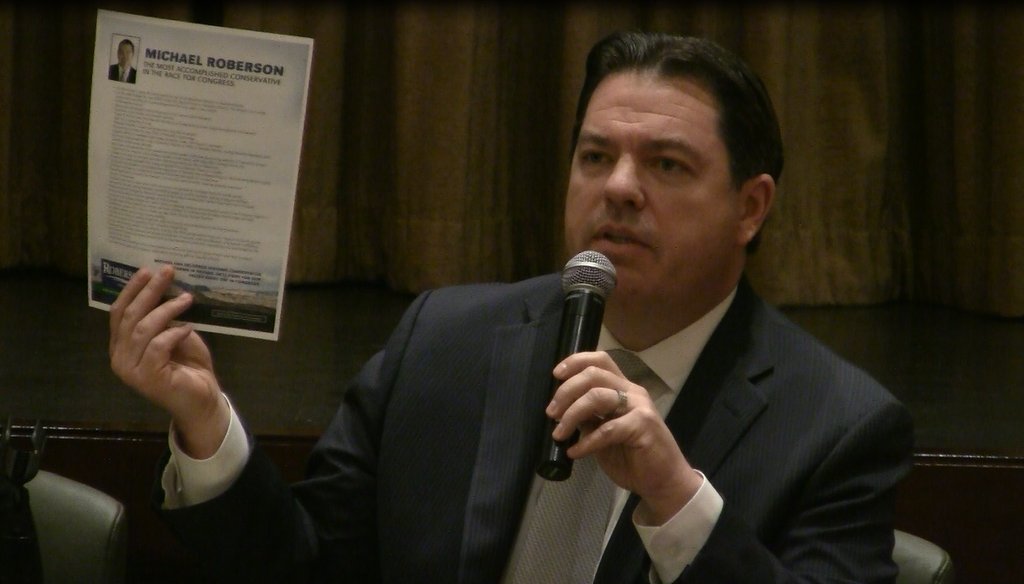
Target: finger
[
  {"x": 141, "y": 300},
  {"x": 145, "y": 331},
  {"x": 596, "y": 406},
  {"x": 158, "y": 351},
  {"x": 575, "y": 387},
  {"x": 577, "y": 362},
  {"x": 635, "y": 429},
  {"x": 621, "y": 404},
  {"x": 138, "y": 280},
  {"x": 137, "y": 303},
  {"x": 135, "y": 333},
  {"x": 596, "y": 367},
  {"x": 127, "y": 294},
  {"x": 152, "y": 375},
  {"x": 149, "y": 296}
]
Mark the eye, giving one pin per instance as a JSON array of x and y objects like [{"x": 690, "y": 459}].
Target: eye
[
  {"x": 668, "y": 165},
  {"x": 592, "y": 157}
]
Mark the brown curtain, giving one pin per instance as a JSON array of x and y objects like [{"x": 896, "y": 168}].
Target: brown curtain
[{"x": 437, "y": 135}]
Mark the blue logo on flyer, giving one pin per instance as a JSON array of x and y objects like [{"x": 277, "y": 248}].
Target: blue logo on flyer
[{"x": 116, "y": 275}]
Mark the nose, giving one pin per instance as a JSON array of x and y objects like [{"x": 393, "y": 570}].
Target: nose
[{"x": 623, "y": 187}]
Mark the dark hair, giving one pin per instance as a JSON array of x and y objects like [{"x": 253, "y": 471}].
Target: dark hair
[
  {"x": 747, "y": 121},
  {"x": 127, "y": 42}
]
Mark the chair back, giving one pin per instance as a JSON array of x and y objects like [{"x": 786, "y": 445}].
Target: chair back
[
  {"x": 81, "y": 531},
  {"x": 921, "y": 561}
]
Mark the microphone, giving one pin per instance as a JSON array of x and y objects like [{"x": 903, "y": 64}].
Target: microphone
[{"x": 587, "y": 279}]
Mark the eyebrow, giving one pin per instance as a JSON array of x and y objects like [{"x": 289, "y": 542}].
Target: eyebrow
[
  {"x": 657, "y": 144},
  {"x": 593, "y": 138},
  {"x": 676, "y": 144}
]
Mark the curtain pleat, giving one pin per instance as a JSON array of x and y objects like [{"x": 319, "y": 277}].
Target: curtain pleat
[
  {"x": 436, "y": 141},
  {"x": 834, "y": 217}
]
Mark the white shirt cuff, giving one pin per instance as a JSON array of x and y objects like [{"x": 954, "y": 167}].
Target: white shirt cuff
[
  {"x": 674, "y": 545},
  {"x": 189, "y": 481}
]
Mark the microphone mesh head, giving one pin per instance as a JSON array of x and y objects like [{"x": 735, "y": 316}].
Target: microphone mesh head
[{"x": 589, "y": 269}]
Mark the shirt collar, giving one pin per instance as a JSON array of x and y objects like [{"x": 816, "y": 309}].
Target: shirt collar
[{"x": 673, "y": 358}]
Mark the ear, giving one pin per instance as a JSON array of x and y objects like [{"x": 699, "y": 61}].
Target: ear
[{"x": 755, "y": 200}]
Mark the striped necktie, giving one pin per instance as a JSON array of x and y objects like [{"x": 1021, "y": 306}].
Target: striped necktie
[{"x": 634, "y": 368}]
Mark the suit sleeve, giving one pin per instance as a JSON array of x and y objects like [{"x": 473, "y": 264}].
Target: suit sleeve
[
  {"x": 841, "y": 530},
  {"x": 320, "y": 529}
]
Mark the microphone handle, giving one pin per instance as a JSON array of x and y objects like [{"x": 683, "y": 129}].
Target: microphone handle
[{"x": 580, "y": 329}]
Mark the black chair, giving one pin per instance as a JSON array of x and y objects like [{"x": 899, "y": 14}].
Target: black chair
[
  {"x": 81, "y": 531},
  {"x": 921, "y": 561}
]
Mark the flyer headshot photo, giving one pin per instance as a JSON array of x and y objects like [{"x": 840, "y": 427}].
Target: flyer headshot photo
[{"x": 123, "y": 70}]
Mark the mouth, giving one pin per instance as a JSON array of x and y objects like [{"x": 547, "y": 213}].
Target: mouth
[{"x": 619, "y": 236}]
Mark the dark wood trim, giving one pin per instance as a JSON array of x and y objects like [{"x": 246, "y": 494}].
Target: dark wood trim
[{"x": 965, "y": 503}]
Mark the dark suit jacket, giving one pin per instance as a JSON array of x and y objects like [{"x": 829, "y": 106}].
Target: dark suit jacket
[
  {"x": 423, "y": 473},
  {"x": 113, "y": 74}
]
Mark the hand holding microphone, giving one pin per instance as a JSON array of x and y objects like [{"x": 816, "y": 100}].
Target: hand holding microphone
[
  {"x": 587, "y": 279},
  {"x": 645, "y": 459}
]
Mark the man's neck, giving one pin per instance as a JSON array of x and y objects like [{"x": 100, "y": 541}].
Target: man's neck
[{"x": 640, "y": 325}]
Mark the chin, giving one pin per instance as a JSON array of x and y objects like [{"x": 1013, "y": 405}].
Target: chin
[{"x": 630, "y": 288}]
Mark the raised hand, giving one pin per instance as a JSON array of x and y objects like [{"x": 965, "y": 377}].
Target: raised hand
[{"x": 166, "y": 362}]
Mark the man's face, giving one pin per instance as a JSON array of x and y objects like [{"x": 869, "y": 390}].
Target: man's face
[
  {"x": 650, "y": 188},
  {"x": 124, "y": 55}
]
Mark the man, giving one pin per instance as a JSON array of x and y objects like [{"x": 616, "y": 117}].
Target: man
[
  {"x": 123, "y": 70},
  {"x": 763, "y": 458}
]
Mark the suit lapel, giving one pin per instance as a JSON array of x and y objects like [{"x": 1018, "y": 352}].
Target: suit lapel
[
  {"x": 716, "y": 405},
  {"x": 512, "y": 424},
  {"x": 720, "y": 400}
]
